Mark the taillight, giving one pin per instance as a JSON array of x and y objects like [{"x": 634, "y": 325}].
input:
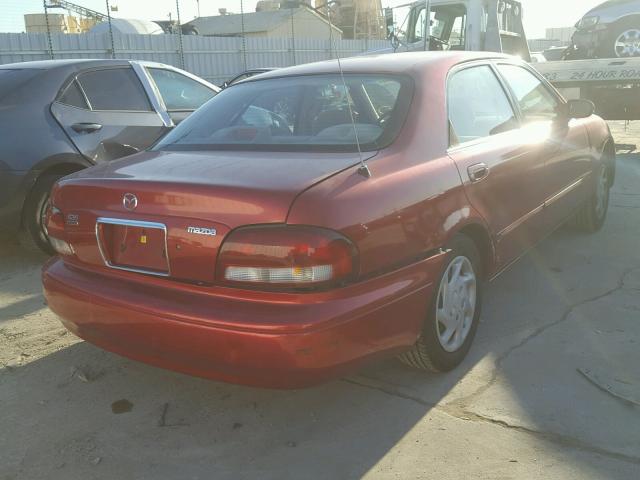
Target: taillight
[
  {"x": 54, "y": 226},
  {"x": 288, "y": 257}
]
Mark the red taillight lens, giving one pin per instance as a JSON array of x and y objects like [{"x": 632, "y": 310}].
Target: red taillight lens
[
  {"x": 54, "y": 224},
  {"x": 286, "y": 257}
]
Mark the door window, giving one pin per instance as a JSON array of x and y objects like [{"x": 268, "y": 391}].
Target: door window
[
  {"x": 456, "y": 40},
  {"x": 114, "y": 89},
  {"x": 536, "y": 102},
  {"x": 446, "y": 24},
  {"x": 178, "y": 91},
  {"x": 73, "y": 96},
  {"x": 419, "y": 30},
  {"x": 478, "y": 105}
]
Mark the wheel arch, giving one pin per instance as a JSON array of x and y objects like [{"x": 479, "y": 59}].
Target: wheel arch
[
  {"x": 633, "y": 18},
  {"x": 62, "y": 169},
  {"x": 479, "y": 235}
]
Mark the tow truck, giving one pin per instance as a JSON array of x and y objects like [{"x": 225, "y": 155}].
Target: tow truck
[{"x": 613, "y": 85}]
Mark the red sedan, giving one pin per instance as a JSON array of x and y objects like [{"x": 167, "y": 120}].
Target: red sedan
[{"x": 310, "y": 220}]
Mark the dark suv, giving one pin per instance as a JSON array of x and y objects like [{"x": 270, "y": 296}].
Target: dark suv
[
  {"x": 609, "y": 30},
  {"x": 60, "y": 116}
]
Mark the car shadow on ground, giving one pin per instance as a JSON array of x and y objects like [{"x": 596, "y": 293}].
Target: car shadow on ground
[
  {"x": 143, "y": 422},
  {"x": 568, "y": 305}
]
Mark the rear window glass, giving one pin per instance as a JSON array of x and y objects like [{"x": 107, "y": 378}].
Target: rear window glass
[
  {"x": 304, "y": 113},
  {"x": 11, "y": 78},
  {"x": 114, "y": 89},
  {"x": 178, "y": 91}
]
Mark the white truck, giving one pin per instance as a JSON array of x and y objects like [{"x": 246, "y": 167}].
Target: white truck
[{"x": 496, "y": 26}]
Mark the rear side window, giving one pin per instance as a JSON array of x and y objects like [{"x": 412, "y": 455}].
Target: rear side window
[
  {"x": 73, "y": 96},
  {"x": 114, "y": 89},
  {"x": 178, "y": 91},
  {"x": 478, "y": 105},
  {"x": 536, "y": 102}
]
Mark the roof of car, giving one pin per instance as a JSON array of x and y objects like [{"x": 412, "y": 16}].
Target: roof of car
[
  {"x": 72, "y": 63},
  {"x": 386, "y": 63}
]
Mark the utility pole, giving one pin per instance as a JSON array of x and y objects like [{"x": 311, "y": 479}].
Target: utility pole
[
  {"x": 113, "y": 46},
  {"x": 293, "y": 38},
  {"x": 244, "y": 41},
  {"x": 46, "y": 19},
  {"x": 180, "y": 46}
]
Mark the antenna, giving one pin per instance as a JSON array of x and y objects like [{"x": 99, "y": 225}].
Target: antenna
[{"x": 364, "y": 168}]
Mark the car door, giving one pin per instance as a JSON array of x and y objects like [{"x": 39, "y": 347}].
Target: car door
[
  {"x": 181, "y": 95},
  {"x": 107, "y": 114},
  {"x": 501, "y": 172},
  {"x": 563, "y": 144}
]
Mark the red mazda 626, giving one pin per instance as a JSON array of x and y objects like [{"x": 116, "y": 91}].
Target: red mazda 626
[{"x": 304, "y": 222}]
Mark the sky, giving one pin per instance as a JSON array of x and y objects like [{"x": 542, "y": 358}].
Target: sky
[{"x": 539, "y": 14}]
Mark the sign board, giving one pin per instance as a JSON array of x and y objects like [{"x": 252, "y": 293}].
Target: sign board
[{"x": 580, "y": 72}]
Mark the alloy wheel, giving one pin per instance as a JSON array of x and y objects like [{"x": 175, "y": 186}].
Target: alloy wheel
[
  {"x": 456, "y": 304},
  {"x": 628, "y": 43},
  {"x": 43, "y": 217}
]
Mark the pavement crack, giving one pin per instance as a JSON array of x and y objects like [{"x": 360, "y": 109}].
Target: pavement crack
[
  {"x": 468, "y": 416},
  {"x": 392, "y": 390},
  {"x": 628, "y": 207},
  {"x": 555, "y": 438},
  {"x": 463, "y": 402}
]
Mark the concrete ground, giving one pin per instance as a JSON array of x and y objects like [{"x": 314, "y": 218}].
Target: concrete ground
[{"x": 551, "y": 388}]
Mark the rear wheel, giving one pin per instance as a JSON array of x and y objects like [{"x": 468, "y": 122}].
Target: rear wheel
[
  {"x": 590, "y": 218},
  {"x": 35, "y": 210},
  {"x": 623, "y": 41},
  {"x": 453, "y": 315}
]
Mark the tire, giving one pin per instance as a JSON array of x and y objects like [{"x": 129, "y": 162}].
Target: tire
[
  {"x": 430, "y": 353},
  {"x": 592, "y": 215},
  {"x": 34, "y": 209},
  {"x": 628, "y": 29}
]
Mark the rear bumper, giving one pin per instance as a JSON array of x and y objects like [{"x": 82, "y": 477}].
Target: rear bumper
[{"x": 255, "y": 338}]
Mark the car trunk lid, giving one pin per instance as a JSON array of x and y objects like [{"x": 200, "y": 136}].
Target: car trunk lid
[{"x": 167, "y": 214}]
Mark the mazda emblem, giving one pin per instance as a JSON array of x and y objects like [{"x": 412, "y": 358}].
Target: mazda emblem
[{"x": 129, "y": 201}]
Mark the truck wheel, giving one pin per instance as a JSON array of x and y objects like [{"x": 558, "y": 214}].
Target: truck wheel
[
  {"x": 454, "y": 311},
  {"x": 590, "y": 218},
  {"x": 35, "y": 209},
  {"x": 624, "y": 40}
]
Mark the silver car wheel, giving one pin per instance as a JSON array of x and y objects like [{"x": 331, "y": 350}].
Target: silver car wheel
[
  {"x": 456, "y": 304},
  {"x": 628, "y": 43}
]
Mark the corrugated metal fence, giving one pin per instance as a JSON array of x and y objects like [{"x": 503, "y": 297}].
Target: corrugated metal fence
[{"x": 214, "y": 58}]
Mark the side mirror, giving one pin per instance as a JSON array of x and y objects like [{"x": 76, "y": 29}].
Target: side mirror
[{"x": 580, "y": 108}]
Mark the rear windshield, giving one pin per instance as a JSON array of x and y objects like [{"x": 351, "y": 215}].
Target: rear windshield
[
  {"x": 303, "y": 113},
  {"x": 11, "y": 78}
]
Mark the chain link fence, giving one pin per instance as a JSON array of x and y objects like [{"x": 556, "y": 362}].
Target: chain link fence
[{"x": 215, "y": 58}]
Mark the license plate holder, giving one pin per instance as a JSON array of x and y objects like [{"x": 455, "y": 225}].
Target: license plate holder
[{"x": 132, "y": 245}]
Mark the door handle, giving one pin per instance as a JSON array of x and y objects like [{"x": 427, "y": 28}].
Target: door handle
[
  {"x": 478, "y": 172},
  {"x": 86, "y": 127}
]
